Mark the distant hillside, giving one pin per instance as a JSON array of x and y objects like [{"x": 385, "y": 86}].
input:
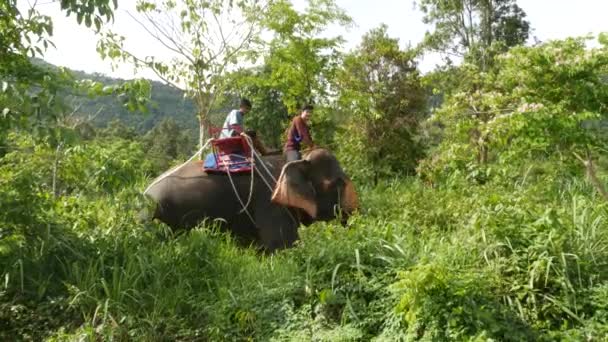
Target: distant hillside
[{"x": 167, "y": 102}]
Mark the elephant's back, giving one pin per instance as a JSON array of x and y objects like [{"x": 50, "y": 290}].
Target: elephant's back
[
  {"x": 191, "y": 170},
  {"x": 190, "y": 180},
  {"x": 193, "y": 173},
  {"x": 189, "y": 193},
  {"x": 181, "y": 178}
]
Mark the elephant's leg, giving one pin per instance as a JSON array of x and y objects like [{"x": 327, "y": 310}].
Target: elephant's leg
[{"x": 277, "y": 227}]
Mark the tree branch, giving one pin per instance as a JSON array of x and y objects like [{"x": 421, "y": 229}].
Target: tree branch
[
  {"x": 159, "y": 74},
  {"x": 178, "y": 48}
]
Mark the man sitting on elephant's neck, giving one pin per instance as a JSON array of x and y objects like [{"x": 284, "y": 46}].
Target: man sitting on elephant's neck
[
  {"x": 234, "y": 125},
  {"x": 297, "y": 133}
]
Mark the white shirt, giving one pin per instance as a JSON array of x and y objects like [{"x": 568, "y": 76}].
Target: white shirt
[{"x": 234, "y": 118}]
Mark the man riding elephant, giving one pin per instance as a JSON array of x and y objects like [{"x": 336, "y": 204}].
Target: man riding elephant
[
  {"x": 298, "y": 133},
  {"x": 234, "y": 125}
]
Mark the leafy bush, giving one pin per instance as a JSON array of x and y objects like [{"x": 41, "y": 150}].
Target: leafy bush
[
  {"x": 520, "y": 259},
  {"x": 382, "y": 101},
  {"x": 537, "y": 102},
  {"x": 438, "y": 303}
]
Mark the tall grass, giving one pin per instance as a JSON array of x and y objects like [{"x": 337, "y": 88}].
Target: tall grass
[{"x": 516, "y": 258}]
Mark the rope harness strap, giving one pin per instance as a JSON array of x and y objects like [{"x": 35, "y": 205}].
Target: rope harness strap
[
  {"x": 274, "y": 180},
  {"x": 245, "y": 205}
]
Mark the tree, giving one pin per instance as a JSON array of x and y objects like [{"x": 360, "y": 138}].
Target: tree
[
  {"x": 206, "y": 38},
  {"x": 32, "y": 95},
  {"x": 541, "y": 102},
  {"x": 474, "y": 29},
  {"x": 300, "y": 61},
  {"x": 117, "y": 129},
  {"x": 383, "y": 102},
  {"x": 165, "y": 143},
  {"x": 25, "y": 89},
  {"x": 298, "y": 67}
]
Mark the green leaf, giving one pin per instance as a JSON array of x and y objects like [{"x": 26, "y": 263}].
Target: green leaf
[{"x": 603, "y": 38}]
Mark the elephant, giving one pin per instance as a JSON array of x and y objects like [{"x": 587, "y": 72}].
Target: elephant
[{"x": 314, "y": 188}]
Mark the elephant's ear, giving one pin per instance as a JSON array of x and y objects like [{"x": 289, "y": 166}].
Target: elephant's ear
[
  {"x": 294, "y": 188},
  {"x": 349, "y": 197}
]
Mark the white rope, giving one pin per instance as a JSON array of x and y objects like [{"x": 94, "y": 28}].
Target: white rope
[
  {"x": 239, "y": 197},
  {"x": 244, "y": 205},
  {"x": 250, "y": 142},
  {"x": 252, "y": 161},
  {"x": 170, "y": 172},
  {"x": 265, "y": 181},
  {"x": 254, "y": 153},
  {"x": 270, "y": 187}
]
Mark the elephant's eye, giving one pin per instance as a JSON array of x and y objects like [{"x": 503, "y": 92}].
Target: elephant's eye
[{"x": 326, "y": 184}]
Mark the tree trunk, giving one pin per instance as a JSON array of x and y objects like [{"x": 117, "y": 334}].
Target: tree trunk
[
  {"x": 55, "y": 167},
  {"x": 487, "y": 19},
  {"x": 203, "y": 104},
  {"x": 591, "y": 174},
  {"x": 483, "y": 152},
  {"x": 480, "y": 142},
  {"x": 203, "y": 123}
]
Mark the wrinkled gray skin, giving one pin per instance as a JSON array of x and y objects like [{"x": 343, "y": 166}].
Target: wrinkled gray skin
[{"x": 311, "y": 189}]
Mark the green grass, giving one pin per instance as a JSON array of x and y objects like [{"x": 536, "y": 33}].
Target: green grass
[{"x": 505, "y": 260}]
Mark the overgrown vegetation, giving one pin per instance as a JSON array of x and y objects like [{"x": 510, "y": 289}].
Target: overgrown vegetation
[{"x": 500, "y": 234}]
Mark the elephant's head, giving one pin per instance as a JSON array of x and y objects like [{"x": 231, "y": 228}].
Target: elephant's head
[{"x": 318, "y": 186}]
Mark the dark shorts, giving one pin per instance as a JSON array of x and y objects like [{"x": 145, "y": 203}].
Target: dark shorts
[{"x": 291, "y": 155}]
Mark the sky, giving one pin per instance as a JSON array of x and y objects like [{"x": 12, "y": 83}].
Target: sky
[{"x": 550, "y": 19}]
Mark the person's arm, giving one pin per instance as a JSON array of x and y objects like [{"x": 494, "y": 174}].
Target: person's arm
[{"x": 303, "y": 131}]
